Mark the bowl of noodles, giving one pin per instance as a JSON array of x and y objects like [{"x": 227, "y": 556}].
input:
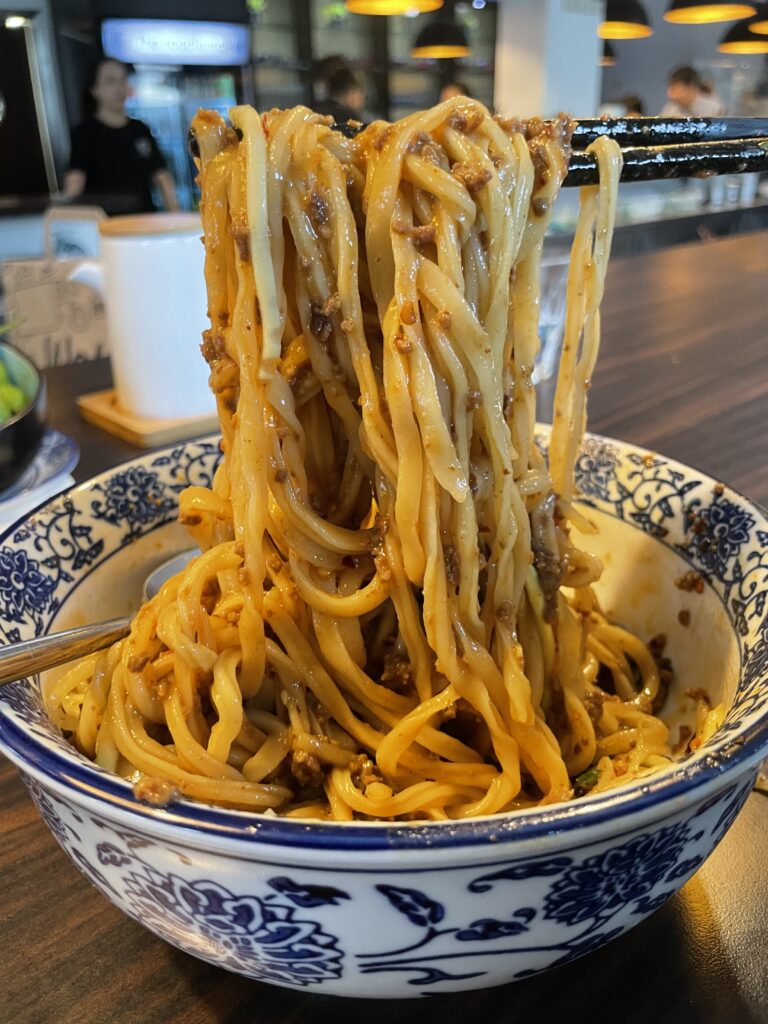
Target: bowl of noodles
[
  {"x": 458, "y": 903},
  {"x": 496, "y": 687}
]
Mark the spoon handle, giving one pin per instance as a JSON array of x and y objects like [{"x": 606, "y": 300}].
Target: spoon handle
[{"x": 30, "y": 656}]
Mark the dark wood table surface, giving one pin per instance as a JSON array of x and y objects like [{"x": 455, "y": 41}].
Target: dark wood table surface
[{"x": 684, "y": 370}]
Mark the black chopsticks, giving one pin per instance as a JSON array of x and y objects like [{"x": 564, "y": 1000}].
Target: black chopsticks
[
  {"x": 672, "y": 147},
  {"x": 688, "y": 160},
  {"x": 663, "y": 147},
  {"x": 667, "y": 131}
]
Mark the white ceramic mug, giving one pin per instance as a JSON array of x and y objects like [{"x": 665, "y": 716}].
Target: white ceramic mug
[{"x": 151, "y": 278}]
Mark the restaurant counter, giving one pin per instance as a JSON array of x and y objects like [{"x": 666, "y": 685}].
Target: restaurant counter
[{"x": 651, "y": 215}]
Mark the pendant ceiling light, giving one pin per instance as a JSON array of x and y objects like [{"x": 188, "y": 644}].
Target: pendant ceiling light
[
  {"x": 740, "y": 38},
  {"x": 759, "y": 23},
  {"x": 699, "y": 12},
  {"x": 440, "y": 39},
  {"x": 625, "y": 19},
  {"x": 392, "y": 6},
  {"x": 608, "y": 59}
]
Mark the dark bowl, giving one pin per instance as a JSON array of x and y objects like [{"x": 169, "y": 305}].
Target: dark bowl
[{"x": 20, "y": 436}]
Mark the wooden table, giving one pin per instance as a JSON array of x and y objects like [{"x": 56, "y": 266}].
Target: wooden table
[{"x": 684, "y": 369}]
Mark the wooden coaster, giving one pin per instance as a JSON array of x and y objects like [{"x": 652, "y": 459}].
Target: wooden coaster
[{"x": 101, "y": 409}]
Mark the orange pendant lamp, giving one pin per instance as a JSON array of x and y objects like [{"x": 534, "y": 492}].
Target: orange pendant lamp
[
  {"x": 389, "y": 7},
  {"x": 625, "y": 19},
  {"x": 759, "y": 23},
  {"x": 440, "y": 40},
  {"x": 741, "y": 39},
  {"x": 701, "y": 12}
]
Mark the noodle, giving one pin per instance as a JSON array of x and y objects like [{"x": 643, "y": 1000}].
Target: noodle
[{"x": 377, "y": 627}]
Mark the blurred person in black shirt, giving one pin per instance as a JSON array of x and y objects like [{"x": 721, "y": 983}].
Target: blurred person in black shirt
[
  {"x": 113, "y": 154},
  {"x": 323, "y": 69},
  {"x": 346, "y": 97}
]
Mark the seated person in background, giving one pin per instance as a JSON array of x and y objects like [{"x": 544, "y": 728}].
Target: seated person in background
[
  {"x": 346, "y": 96},
  {"x": 322, "y": 71},
  {"x": 453, "y": 88},
  {"x": 633, "y": 106},
  {"x": 112, "y": 154},
  {"x": 689, "y": 96}
]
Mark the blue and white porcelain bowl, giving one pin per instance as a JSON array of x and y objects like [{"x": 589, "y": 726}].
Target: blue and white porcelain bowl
[{"x": 392, "y": 910}]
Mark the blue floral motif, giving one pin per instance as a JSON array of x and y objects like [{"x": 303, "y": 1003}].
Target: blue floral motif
[
  {"x": 61, "y": 547},
  {"x": 715, "y": 799},
  {"x": 271, "y": 936},
  {"x": 489, "y": 928},
  {"x": 720, "y": 531},
  {"x": 307, "y": 895},
  {"x": 629, "y": 879},
  {"x": 596, "y": 468},
  {"x": 24, "y": 700},
  {"x": 605, "y": 883},
  {"x": 747, "y": 590},
  {"x": 188, "y": 465},
  {"x": 646, "y": 491},
  {"x": 731, "y": 810},
  {"x": 418, "y": 908},
  {"x": 134, "y": 498},
  {"x": 517, "y": 872},
  {"x": 60, "y": 544},
  {"x": 24, "y": 589},
  {"x": 429, "y": 975},
  {"x": 61, "y": 831},
  {"x": 756, "y": 659},
  {"x": 64, "y": 541},
  {"x": 93, "y": 874},
  {"x": 246, "y": 933},
  {"x": 259, "y": 936},
  {"x": 108, "y": 853}
]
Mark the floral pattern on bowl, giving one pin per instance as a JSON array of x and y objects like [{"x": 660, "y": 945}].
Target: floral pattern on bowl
[
  {"x": 303, "y": 929},
  {"x": 456, "y": 905}
]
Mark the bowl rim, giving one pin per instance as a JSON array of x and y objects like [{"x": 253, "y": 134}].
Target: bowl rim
[
  {"x": 40, "y": 389},
  {"x": 743, "y": 750}
]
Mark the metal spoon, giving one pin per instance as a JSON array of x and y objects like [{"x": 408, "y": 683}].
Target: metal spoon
[{"x": 30, "y": 656}]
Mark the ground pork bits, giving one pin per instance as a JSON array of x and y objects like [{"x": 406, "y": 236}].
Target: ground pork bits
[
  {"x": 421, "y": 234},
  {"x": 473, "y": 178},
  {"x": 318, "y": 212}
]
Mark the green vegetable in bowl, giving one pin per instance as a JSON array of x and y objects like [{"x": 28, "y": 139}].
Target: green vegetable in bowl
[
  {"x": 586, "y": 781},
  {"x": 12, "y": 397}
]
